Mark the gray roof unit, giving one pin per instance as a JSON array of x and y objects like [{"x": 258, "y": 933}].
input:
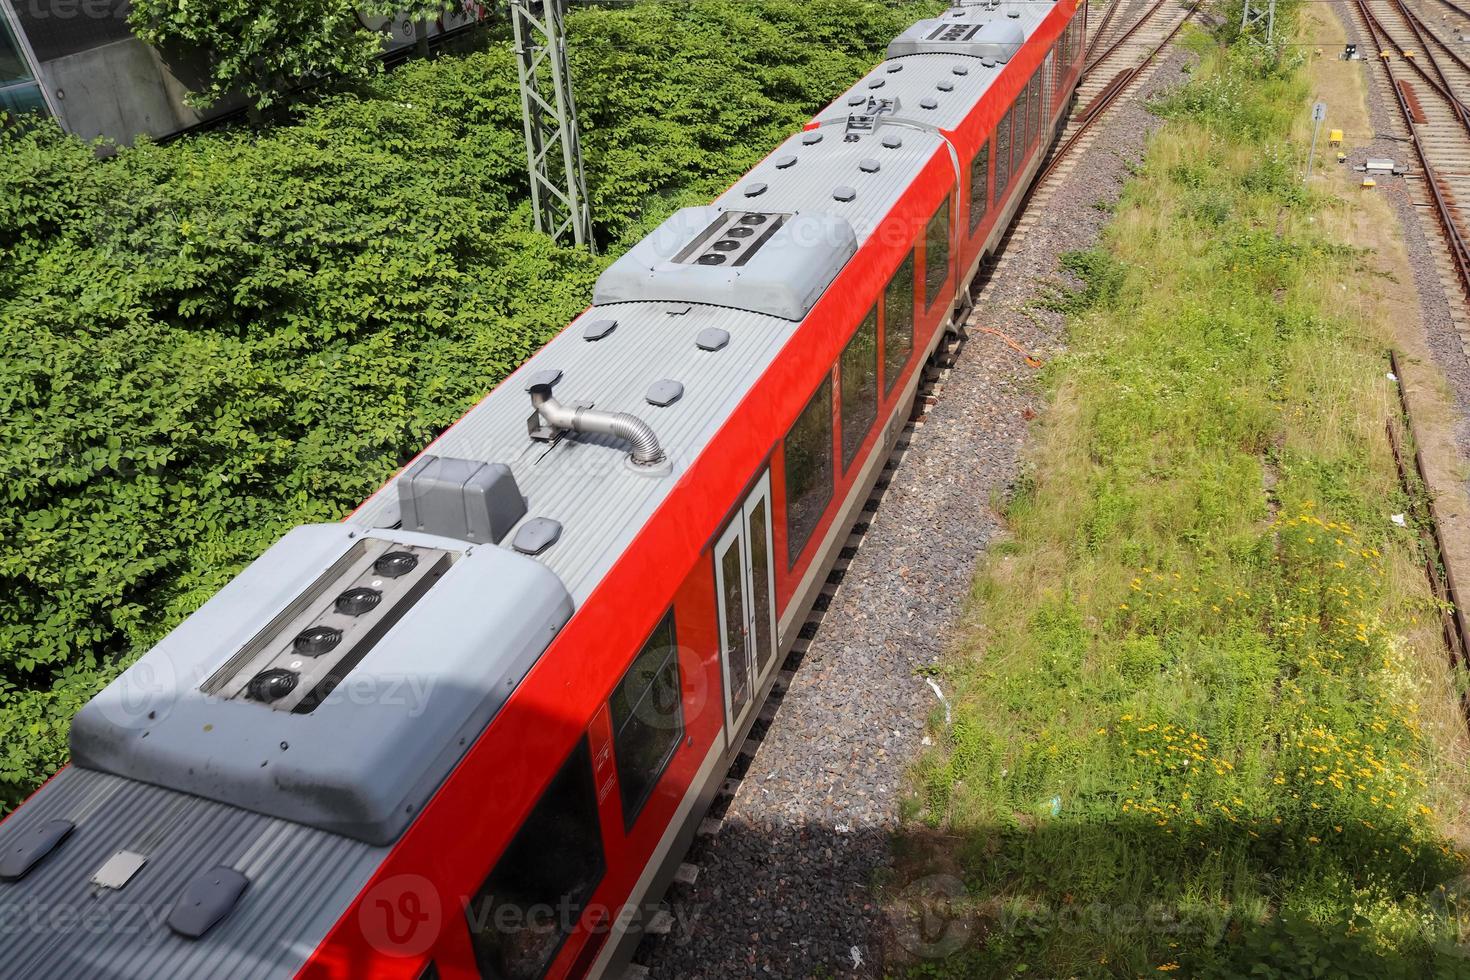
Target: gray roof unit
[
  {"x": 290, "y": 694},
  {"x": 460, "y": 498},
  {"x": 979, "y": 32},
  {"x": 764, "y": 262}
]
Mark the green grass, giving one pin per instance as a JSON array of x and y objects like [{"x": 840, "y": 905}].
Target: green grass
[{"x": 1202, "y": 723}]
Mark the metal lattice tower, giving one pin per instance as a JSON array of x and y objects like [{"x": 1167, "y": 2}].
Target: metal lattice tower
[
  {"x": 549, "y": 112},
  {"x": 1253, "y": 12}
]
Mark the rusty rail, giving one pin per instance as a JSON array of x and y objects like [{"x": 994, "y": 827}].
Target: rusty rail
[
  {"x": 1459, "y": 250},
  {"x": 1114, "y": 89}
]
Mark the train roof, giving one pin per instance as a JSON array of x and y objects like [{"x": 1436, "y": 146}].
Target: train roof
[
  {"x": 581, "y": 482},
  {"x": 938, "y": 69},
  {"x": 300, "y": 879}
]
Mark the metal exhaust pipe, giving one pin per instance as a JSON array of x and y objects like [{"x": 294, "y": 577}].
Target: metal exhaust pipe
[{"x": 645, "y": 450}]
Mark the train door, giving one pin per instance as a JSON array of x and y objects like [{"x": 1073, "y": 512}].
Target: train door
[{"x": 745, "y": 590}]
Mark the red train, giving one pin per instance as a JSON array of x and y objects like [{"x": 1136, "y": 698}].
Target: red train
[{"x": 470, "y": 731}]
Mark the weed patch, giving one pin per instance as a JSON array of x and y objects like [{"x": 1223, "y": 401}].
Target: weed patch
[{"x": 1192, "y": 716}]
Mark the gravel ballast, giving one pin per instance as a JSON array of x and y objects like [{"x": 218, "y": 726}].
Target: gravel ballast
[{"x": 786, "y": 889}]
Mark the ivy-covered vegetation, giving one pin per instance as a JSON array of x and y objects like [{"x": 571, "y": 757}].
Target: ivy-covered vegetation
[
  {"x": 1203, "y": 724},
  {"x": 205, "y": 343}
]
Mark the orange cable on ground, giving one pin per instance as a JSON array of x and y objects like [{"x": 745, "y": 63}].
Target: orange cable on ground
[{"x": 1031, "y": 359}]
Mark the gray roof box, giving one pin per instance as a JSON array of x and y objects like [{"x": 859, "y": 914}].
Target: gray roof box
[
  {"x": 972, "y": 31},
  {"x": 763, "y": 262},
  {"x": 386, "y": 696}
]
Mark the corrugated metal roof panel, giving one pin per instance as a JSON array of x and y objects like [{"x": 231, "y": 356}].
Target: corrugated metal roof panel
[
  {"x": 583, "y": 481},
  {"x": 918, "y": 77},
  {"x": 821, "y": 168},
  {"x": 301, "y": 880}
]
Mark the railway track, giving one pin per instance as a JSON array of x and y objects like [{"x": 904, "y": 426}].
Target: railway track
[
  {"x": 1120, "y": 58},
  {"x": 1412, "y": 45}
]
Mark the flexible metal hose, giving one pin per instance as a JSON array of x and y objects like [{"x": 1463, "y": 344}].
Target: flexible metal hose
[{"x": 631, "y": 429}]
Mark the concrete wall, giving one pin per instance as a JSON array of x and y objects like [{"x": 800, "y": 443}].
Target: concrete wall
[{"x": 121, "y": 91}]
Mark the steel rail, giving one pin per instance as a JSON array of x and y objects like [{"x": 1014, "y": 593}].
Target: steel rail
[
  {"x": 1459, "y": 250},
  {"x": 1445, "y": 88},
  {"x": 1102, "y": 29},
  {"x": 1099, "y": 106},
  {"x": 1147, "y": 15}
]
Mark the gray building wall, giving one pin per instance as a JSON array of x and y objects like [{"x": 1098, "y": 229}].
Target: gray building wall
[{"x": 98, "y": 80}]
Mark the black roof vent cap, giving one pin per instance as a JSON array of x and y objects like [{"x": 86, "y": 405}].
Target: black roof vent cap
[
  {"x": 25, "y": 851},
  {"x": 207, "y": 899}
]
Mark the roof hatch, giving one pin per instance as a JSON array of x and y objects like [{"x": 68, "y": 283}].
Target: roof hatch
[
  {"x": 972, "y": 31},
  {"x": 765, "y": 262},
  {"x": 335, "y": 682}
]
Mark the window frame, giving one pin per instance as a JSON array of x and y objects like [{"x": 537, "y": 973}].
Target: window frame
[
  {"x": 1003, "y": 156},
  {"x": 795, "y": 549},
  {"x": 842, "y": 371},
  {"x": 891, "y": 373},
  {"x": 580, "y": 757},
  {"x": 631, "y": 814},
  {"x": 934, "y": 291},
  {"x": 981, "y": 161}
]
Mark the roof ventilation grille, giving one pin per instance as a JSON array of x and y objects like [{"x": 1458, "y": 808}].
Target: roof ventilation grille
[
  {"x": 996, "y": 37},
  {"x": 306, "y": 651},
  {"x": 955, "y": 33},
  {"x": 732, "y": 239}
]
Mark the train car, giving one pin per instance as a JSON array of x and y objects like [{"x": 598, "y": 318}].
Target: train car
[{"x": 471, "y": 730}]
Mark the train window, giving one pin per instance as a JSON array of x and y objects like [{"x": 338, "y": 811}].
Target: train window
[
  {"x": 898, "y": 323},
  {"x": 1018, "y": 133},
  {"x": 936, "y": 255},
  {"x": 533, "y": 897},
  {"x": 1033, "y": 117},
  {"x": 647, "y": 718},
  {"x": 979, "y": 186},
  {"x": 859, "y": 387},
  {"x": 808, "y": 452},
  {"x": 1002, "y": 156}
]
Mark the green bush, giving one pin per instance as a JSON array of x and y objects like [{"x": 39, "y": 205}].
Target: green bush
[{"x": 205, "y": 343}]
